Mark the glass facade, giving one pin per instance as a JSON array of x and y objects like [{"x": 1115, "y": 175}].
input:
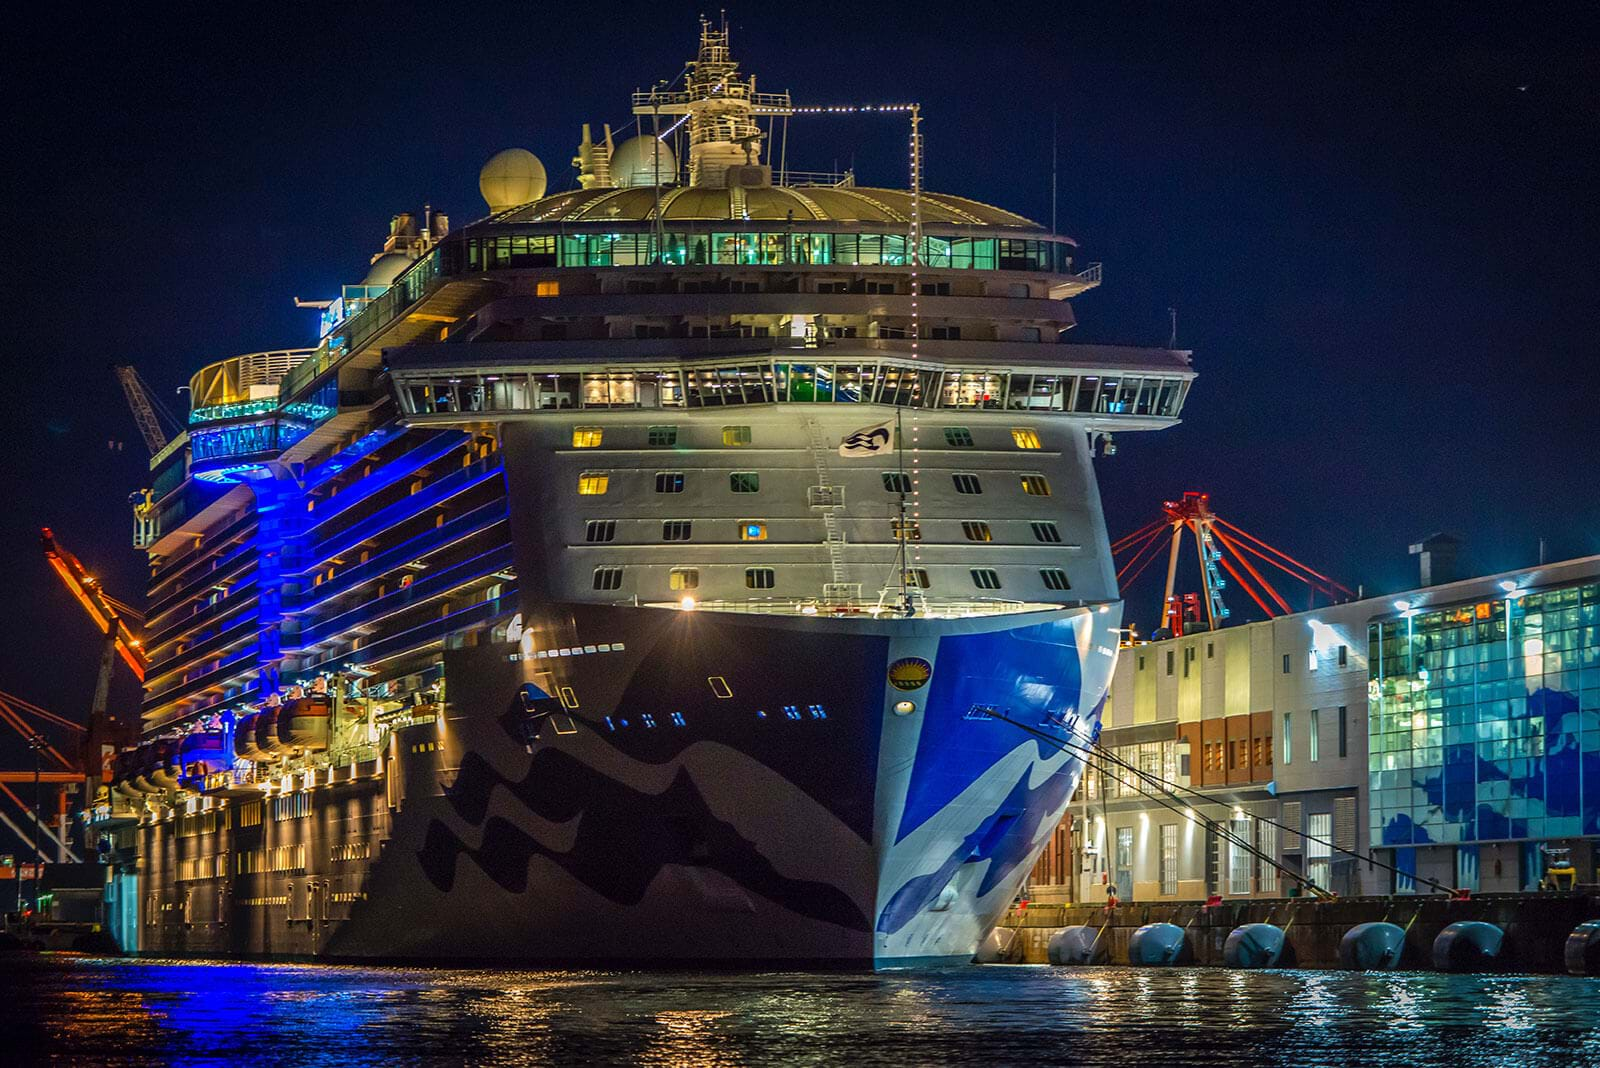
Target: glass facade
[{"x": 1484, "y": 720}]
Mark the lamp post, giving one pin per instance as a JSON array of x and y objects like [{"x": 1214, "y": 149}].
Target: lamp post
[{"x": 36, "y": 743}]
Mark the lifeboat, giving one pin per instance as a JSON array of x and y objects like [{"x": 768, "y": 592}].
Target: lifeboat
[
  {"x": 123, "y": 768},
  {"x": 303, "y": 724},
  {"x": 267, "y": 734},
  {"x": 244, "y": 738},
  {"x": 203, "y": 753},
  {"x": 165, "y": 770}
]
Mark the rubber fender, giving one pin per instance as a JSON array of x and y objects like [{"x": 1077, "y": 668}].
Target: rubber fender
[
  {"x": 1079, "y": 945},
  {"x": 1000, "y": 946},
  {"x": 1157, "y": 945},
  {"x": 1467, "y": 946},
  {"x": 1254, "y": 945},
  {"x": 1583, "y": 949},
  {"x": 1372, "y": 947}
]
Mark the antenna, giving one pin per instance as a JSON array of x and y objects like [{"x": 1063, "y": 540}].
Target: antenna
[
  {"x": 1172, "y": 338},
  {"x": 1055, "y": 167}
]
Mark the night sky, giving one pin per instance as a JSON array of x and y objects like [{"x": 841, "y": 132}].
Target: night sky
[{"x": 1379, "y": 230}]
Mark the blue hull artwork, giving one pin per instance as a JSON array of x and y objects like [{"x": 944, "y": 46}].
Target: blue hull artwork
[{"x": 694, "y": 786}]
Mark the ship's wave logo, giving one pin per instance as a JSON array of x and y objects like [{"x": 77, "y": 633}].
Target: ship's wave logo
[
  {"x": 868, "y": 441},
  {"x": 910, "y": 673}
]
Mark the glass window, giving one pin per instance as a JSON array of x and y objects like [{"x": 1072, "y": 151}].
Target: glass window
[
  {"x": 1168, "y": 871},
  {"x": 547, "y": 289},
  {"x": 669, "y": 481},
  {"x": 586, "y": 437},
  {"x": 958, "y": 436},
  {"x": 976, "y": 530},
  {"x": 917, "y": 577},
  {"x": 1313, "y": 743},
  {"x": 897, "y": 482},
  {"x": 1344, "y": 736},
  {"x": 966, "y": 483},
  {"x": 600, "y": 530},
  {"x": 736, "y": 435},
  {"x": 1025, "y": 437},
  {"x": 1288, "y": 737},
  {"x": 909, "y": 529},
  {"x": 1055, "y": 578},
  {"x": 1319, "y": 848},
  {"x": 986, "y": 578},
  {"x": 1046, "y": 532},
  {"x": 744, "y": 482},
  {"x": 760, "y": 578},
  {"x": 1035, "y": 485},
  {"x": 683, "y": 578},
  {"x": 608, "y": 578},
  {"x": 753, "y": 530},
  {"x": 593, "y": 483},
  {"x": 1239, "y": 858},
  {"x": 662, "y": 436},
  {"x": 1267, "y": 846},
  {"x": 676, "y": 529}
]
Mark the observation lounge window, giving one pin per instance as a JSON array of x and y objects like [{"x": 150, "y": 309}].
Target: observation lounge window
[
  {"x": 683, "y": 578},
  {"x": 669, "y": 481},
  {"x": 760, "y": 578},
  {"x": 985, "y": 578},
  {"x": 973, "y": 389},
  {"x": 587, "y": 437},
  {"x": 608, "y": 578},
  {"x": 1044, "y": 392}
]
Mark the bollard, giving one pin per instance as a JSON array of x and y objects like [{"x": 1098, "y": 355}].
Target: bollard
[
  {"x": 1157, "y": 945},
  {"x": 1372, "y": 947},
  {"x": 1254, "y": 945},
  {"x": 1467, "y": 946}
]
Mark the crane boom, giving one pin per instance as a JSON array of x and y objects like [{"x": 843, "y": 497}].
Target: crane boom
[
  {"x": 144, "y": 408},
  {"x": 86, "y": 588}
]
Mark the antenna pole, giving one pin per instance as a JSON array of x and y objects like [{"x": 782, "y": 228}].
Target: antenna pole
[{"x": 1055, "y": 166}]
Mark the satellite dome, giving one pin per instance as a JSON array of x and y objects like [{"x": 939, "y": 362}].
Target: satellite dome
[
  {"x": 511, "y": 178},
  {"x": 386, "y": 268},
  {"x": 631, "y": 165}
]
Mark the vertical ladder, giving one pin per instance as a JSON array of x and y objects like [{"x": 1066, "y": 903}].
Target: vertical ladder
[{"x": 830, "y": 499}]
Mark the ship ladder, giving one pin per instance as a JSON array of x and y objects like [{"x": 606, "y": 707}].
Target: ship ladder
[{"x": 830, "y": 499}]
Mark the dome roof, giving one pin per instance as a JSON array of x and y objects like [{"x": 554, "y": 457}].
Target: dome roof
[
  {"x": 632, "y": 165},
  {"x": 768, "y": 204},
  {"x": 514, "y": 176},
  {"x": 386, "y": 268}
]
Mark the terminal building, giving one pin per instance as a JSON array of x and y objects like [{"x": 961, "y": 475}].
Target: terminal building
[{"x": 1451, "y": 733}]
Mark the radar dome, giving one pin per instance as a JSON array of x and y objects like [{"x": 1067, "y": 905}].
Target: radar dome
[
  {"x": 385, "y": 269},
  {"x": 510, "y": 178},
  {"x": 632, "y": 165}
]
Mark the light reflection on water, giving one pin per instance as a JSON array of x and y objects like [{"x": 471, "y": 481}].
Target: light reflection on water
[{"x": 149, "y": 1012}]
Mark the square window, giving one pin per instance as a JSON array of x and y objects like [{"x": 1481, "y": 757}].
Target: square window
[
  {"x": 909, "y": 529},
  {"x": 976, "y": 530},
  {"x": 1035, "y": 485},
  {"x": 958, "y": 436},
  {"x": 669, "y": 481},
  {"x": 967, "y": 483},
  {"x": 1055, "y": 578},
  {"x": 594, "y": 483},
  {"x": 760, "y": 578},
  {"x": 684, "y": 578},
  {"x": 1046, "y": 532},
  {"x": 736, "y": 435},
  {"x": 547, "y": 289},
  {"x": 744, "y": 482},
  {"x": 986, "y": 578},
  {"x": 608, "y": 578},
  {"x": 917, "y": 577},
  {"x": 662, "y": 436},
  {"x": 676, "y": 529},
  {"x": 1025, "y": 437},
  {"x": 1344, "y": 655},
  {"x": 897, "y": 482},
  {"x": 600, "y": 530},
  {"x": 752, "y": 530}
]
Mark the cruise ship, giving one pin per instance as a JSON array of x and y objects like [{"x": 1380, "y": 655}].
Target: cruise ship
[{"x": 654, "y": 571}]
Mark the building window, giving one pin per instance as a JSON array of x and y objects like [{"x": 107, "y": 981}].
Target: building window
[
  {"x": 676, "y": 529},
  {"x": 1344, "y": 733},
  {"x": 1211, "y": 650},
  {"x": 897, "y": 482},
  {"x": 1046, "y": 532},
  {"x": 1267, "y": 846},
  {"x": 958, "y": 436},
  {"x": 1313, "y": 743},
  {"x": 736, "y": 435},
  {"x": 1035, "y": 485},
  {"x": 1171, "y": 660},
  {"x": 1055, "y": 578},
  {"x": 593, "y": 483},
  {"x": 1025, "y": 437},
  {"x": 909, "y": 529},
  {"x": 669, "y": 481},
  {"x": 917, "y": 578},
  {"x": 1288, "y": 737},
  {"x": 1168, "y": 870},
  {"x": 944, "y": 333},
  {"x": 760, "y": 578},
  {"x": 1239, "y": 859},
  {"x": 684, "y": 578},
  {"x": 1319, "y": 848},
  {"x": 1188, "y": 658},
  {"x": 753, "y": 530},
  {"x": 976, "y": 530},
  {"x": 600, "y": 530},
  {"x": 547, "y": 289},
  {"x": 986, "y": 578},
  {"x": 1286, "y": 663},
  {"x": 967, "y": 483},
  {"x": 1344, "y": 655},
  {"x": 608, "y": 578},
  {"x": 744, "y": 482},
  {"x": 662, "y": 436},
  {"x": 587, "y": 437}
]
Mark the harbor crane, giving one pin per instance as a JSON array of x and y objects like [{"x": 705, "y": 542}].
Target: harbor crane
[{"x": 147, "y": 411}]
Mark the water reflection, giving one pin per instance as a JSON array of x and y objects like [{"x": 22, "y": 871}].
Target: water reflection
[{"x": 142, "y": 1012}]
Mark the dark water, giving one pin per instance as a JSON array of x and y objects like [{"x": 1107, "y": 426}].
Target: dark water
[{"x": 85, "y": 1011}]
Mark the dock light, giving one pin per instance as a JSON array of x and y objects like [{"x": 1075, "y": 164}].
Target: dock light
[
  {"x": 904, "y": 708},
  {"x": 687, "y": 604}
]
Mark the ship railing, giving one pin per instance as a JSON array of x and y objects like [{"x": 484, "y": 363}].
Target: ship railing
[
  {"x": 859, "y": 609},
  {"x": 1090, "y": 275},
  {"x": 816, "y": 179}
]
